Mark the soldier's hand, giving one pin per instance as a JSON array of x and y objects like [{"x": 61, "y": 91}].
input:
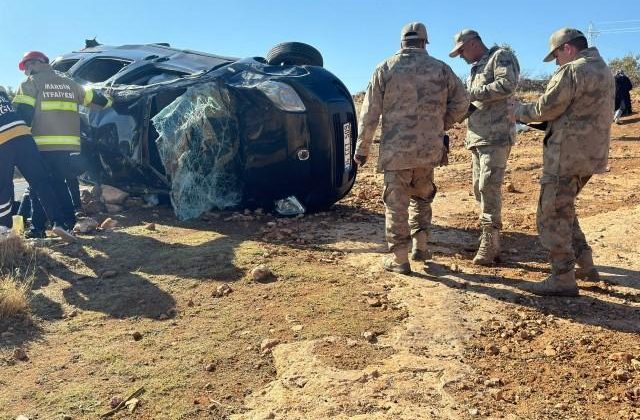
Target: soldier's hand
[{"x": 360, "y": 160}]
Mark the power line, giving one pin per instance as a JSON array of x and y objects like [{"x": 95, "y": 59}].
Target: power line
[
  {"x": 619, "y": 21},
  {"x": 593, "y": 32}
]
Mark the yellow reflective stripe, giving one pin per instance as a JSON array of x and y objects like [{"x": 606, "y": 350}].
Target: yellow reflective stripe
[
  {"x": 109, "y": 102},
  {"x": 20, "y": 130},
  {"x": 57, "y": 140},
  {"x": 24, "y": 99},
  {"x": 88, "y": 97},
  {"x": 58, "y": 106}
]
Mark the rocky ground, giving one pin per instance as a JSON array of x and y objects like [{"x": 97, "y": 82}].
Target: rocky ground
[{"x": 245, "y": 316}]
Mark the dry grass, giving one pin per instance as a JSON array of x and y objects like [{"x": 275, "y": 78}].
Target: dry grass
[
  {"x": 14, "y": 295},
  {"x": 12, "y": 252},
  {"x": 15, "y": 282}
]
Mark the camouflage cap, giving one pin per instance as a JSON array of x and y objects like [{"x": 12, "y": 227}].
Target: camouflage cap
[
  {"x": 414, "y": 30},
  {"x": 462, "y": 38},
  {"x": 559, "y": 38}
]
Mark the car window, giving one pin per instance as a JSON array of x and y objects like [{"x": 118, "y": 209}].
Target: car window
[
  {"x": 149, "y": 76},
  {"x": 64, "y": 65},
  {"x": 101, "y": 69}
]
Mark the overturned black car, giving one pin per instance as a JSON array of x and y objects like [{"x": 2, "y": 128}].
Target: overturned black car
[{"x": 217, "y": 132}]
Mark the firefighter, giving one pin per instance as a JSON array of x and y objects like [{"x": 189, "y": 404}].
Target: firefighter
[
  {"x": 17, "y": 148},
  {"x": 48, "y": 101}
]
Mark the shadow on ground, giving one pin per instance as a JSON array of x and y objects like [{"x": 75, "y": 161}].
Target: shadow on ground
[{"x": 586, "y": 309}]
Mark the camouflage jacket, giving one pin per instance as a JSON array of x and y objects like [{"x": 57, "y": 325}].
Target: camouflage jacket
[
  {"x": 577, "y": 104},
  {"x": 416, "y": 97},
  {"x": 492, "y": 82}
]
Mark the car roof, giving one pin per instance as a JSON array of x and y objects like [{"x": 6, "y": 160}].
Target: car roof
[{"x": 187, "y": 59}]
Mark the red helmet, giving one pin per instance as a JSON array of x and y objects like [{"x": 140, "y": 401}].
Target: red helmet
[{"x": 32, "y": 55}]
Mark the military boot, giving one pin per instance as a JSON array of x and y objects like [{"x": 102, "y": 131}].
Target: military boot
[
  {"x": 585, "y": 269},
  {"x": 398, "y": 262},
  {"x": 556, "y": 285},
  {"x": 489, "y": 249},
  {"x": 420, "y": 250}
]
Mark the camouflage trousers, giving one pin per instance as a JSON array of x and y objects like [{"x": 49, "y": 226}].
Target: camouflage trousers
[
  {"x": 488, "y": 167},
  {"x": 407, "y": 197},
  {"x": 558, "y": 226}
]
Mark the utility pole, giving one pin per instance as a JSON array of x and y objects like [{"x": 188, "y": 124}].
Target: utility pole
[{"x": 592, "y": 33}]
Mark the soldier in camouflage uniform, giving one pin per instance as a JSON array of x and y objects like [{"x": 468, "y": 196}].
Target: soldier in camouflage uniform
[
  {"x": 490, "y": 131},
  {"x": 576, "y": 107},
  {"x": 416, "y": 97}
]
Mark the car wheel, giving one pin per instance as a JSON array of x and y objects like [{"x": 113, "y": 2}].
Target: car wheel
[{"x": 294, "y": 53}]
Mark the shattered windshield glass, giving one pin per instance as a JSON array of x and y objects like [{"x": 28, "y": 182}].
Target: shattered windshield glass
[{"x": 198, "y": 146}]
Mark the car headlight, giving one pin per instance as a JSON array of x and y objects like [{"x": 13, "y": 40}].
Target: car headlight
[{"x": 282, "y": 95}]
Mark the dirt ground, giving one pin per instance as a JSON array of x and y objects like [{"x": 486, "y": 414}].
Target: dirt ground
[{"x": 330, "y": 334}]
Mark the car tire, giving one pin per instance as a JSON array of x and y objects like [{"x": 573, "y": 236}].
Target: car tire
[{"x": 295, "y": 54}]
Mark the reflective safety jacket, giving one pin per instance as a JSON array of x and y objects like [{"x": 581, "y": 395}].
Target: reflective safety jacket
[
  {"x": 11, "y": 126},
  {"x": 55, "y": 99}
]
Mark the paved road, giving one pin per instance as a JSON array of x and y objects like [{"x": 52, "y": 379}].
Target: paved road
[{"x": 19, "y": 186}]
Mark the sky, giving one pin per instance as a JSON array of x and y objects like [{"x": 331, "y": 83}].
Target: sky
[{"x": 352, "y": 35}]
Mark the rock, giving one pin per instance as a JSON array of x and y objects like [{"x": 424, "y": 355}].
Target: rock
[
  {"x": 20, "y": 354},
  {"x": 112, "y": 195},
  {"x": 210, "y": 367},
  {"x": 163, "y": 317},
  {"x": 560, "y": 406},
  {"x": 498, "y": 394},
  {"x": 73, "y": 313},
  {"x": 108, "y": 223},
  {"x": 261, "y": 273},
  {"x": 374, "y": 302},
  {"x": 369, "y": 336},
  {"x": 267, "y": 344},
  {"x": 621, "y": 357},
  {"x": 222, "y": 290},
  {"x": 493, "y": 382},
  {"x": 93, "y": 207},
  {"x": 550, "y": 351},
  {"x": 85, "y": 225},
  {"x": 524, "y": 335},
  {"x": 66, "y": 417},
  {"x": 107, "y": 274},
  {"x": 150, "y": 226},
  {"x": 22, "y": 417},
  {"x": 621, "y": 375},
  {"x": 114, "y": 208},
  {"x": 473, "y": 412},
  {"x": 132, "y": 404},
  {"x": 297, "y": 328},
  {"x": 511, "y": 188},
  {"x": 492, "y": 349},
  {"x": 137, "y": 335}
]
